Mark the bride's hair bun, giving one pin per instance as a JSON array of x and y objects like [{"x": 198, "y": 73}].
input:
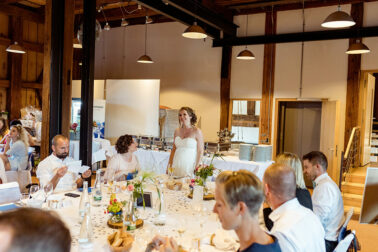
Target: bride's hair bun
[{"x": 191, "y": 113}]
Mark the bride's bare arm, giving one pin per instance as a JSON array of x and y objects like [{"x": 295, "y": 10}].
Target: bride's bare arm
[
  {"x": 172, "y": 151},
  {"x": 200, "y": 146}
]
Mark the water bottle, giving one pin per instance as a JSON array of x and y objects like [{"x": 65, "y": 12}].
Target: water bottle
[
  {"x": 86, "y": 229},
  {"x": 97, "y": 190},
  {"x": 83, "y": 200}
]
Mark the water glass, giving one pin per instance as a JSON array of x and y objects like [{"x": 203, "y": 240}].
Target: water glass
[
  {"x": 197, "y": 197},
  {"x": 48, "y": 189},
  {"x": 33, "y": 191}
]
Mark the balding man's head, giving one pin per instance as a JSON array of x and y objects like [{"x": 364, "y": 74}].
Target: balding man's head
[
  {"x": 280, "y": 180},
  {"x": 60, "y": 146}
]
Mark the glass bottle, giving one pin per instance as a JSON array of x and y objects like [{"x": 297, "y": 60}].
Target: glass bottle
[
  {"x": 86, "y": 229},
  {"x": 97, "y": 192},
  {"x": 84, "y": 198}
]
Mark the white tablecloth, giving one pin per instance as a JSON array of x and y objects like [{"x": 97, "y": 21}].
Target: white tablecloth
[
  {"x": 179, "y": 215},
  {"x": 157, "y": 161}
]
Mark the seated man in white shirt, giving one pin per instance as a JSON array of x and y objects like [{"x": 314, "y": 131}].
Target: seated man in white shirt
[
  {"x": 54, "y": 168},
  {"x": 326, "y": 198},
  {"x": 296, "y": 227}
]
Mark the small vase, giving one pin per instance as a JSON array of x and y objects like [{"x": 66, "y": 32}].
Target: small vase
[{"x": 116, "y": 217}]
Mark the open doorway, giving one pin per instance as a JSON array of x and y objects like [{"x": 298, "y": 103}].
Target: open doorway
[
  {"x": 304, "y": 126},
  {"x": 299, "y": 128}
]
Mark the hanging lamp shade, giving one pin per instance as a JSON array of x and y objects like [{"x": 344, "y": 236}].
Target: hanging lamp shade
[
  {"x": 245, "y": 55},
  {"x": 338, "y": 19},
  {"x": 124, "y": 22},
  {"x": 145, "y": 59},
  {"x": 107, "y": 27},
  {"x": 194, "y": 32},
  {"x": 15, "y": 48},
  {"x": 357, "y": 48}
]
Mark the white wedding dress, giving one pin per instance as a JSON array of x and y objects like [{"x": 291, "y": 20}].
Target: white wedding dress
[{"x": 185, "y": 156}]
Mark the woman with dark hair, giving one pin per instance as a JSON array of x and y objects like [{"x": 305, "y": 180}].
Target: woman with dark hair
[
  {"x": 4, "y": 130},
  {"x": 188, "y": 145},
  {"x": 124, "y": 162}
]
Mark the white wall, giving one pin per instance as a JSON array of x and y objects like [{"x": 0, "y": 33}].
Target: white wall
[{"x": 189, "y": 70}]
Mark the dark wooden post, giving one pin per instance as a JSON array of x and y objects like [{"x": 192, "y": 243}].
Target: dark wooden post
[
  {"x": 87, "y": 82},
  {"x": 266, "y": 107},
  {"x": 15, "y": 59},
  {"x": 353, "y": 80},
  {"x": 225, "y": 86}
]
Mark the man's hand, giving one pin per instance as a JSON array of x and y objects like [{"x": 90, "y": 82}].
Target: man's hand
[
  {"x": 86, "y": 174},
  {"x": 62, "y": 171}
]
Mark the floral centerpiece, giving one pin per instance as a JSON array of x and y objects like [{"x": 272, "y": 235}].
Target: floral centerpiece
[
  {"x": 114, "y": 209},
  {"x": 202, "y": 172}
]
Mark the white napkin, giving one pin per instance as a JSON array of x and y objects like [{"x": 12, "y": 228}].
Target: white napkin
[{"x": 222, "y": 240}]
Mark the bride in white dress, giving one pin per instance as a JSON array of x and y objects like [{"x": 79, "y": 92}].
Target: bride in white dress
[{"x": 188, "y": 145}]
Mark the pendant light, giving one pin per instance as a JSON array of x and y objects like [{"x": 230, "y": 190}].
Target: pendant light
[
  {"x": 338, "y": 19},
  {"x": 124, "y": 22},
  {"x": 194, "y": 32},
  {"x": 15, "y": 48},
  {"x": 357, "y": 48},
  {"x": 246, "y": 54},
  {"x": 107, "y": 26},
  {"x": 145, "y": 58}
]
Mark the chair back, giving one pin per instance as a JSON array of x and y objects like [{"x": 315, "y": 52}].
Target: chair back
[
  {"x": 9, "y": 192},
  {"x": 343, "y": 229},
  {"x": 344, "y": 244}
]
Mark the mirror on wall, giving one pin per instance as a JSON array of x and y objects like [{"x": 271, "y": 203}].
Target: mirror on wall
[{"x": 245, "y": 120}]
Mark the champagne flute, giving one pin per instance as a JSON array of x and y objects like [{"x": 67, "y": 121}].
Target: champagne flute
[{"x": 33, "y": 191}]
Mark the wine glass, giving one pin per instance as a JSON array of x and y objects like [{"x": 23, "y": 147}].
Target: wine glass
[
  {"x": 48, "y": 189},
  {"x": 33, "y": 191},
  {"x": 170, "y": 171}
]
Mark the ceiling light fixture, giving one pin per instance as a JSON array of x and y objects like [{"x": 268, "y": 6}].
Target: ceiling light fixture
[
  {"x": 246, "y": 54},
  {"x": 76, "y": 43},
  {"x": 194, "y": 32},
  {"x": 124, "y": 22},
  {"x": 15, "y": 48},
  {"x": 107, "y": 26},
  {"x": 149, "y": 20},
  {"x": 357, "y": 48},
  {"x": 145, "y": 58},
  {"x": 338, "y": 19}
]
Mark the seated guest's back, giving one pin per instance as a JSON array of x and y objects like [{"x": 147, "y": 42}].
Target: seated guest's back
[
  {"x": 296, "y": 227},
  {"x": 301, "y": 192},
  {"x": 326, "y": 198},
  {"x": 125, "y": 161},
  {"x": 33, "y": 230},
  {"x": 238, "y": 198}
]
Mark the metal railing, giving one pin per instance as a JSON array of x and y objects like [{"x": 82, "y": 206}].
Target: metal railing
[{"x": 351, "y": 156}]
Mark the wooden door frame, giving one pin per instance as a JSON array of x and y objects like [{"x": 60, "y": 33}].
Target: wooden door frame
[
  {"x": 276, "y": 106},
  {"x": 363, "y": 77},
  {"x": 231, "y": 107}
]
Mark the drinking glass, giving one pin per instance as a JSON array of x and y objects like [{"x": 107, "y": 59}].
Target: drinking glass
[
  {"x": 48, "y": 189},
  {"x": 33, "y": 191},
  {"x": 170, "y": 172}
]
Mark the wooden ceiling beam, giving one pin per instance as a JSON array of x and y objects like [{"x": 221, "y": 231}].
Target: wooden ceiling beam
[
  {"x": 116, "y": 14},
  {"x": 20, "y": 12},
  {"x": 208, "y": 16},
  {"x": 178, "y": 15},
  {"x": 299, "y": 37}
]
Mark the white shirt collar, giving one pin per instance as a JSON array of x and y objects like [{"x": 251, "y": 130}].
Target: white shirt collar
[
  {"x": 290, "y": 204},
  {"x": 321, "y": 177}
]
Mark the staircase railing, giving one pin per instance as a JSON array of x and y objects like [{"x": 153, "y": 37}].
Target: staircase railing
[{"x": 351, "y": 156}]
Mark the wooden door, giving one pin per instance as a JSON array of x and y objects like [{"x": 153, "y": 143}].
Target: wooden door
[
  {"x": 366, "y": 105},
  {"x": 329, "y": 135}
]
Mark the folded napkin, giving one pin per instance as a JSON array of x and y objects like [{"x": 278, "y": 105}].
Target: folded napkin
[{"x": 223, "y": 240}]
